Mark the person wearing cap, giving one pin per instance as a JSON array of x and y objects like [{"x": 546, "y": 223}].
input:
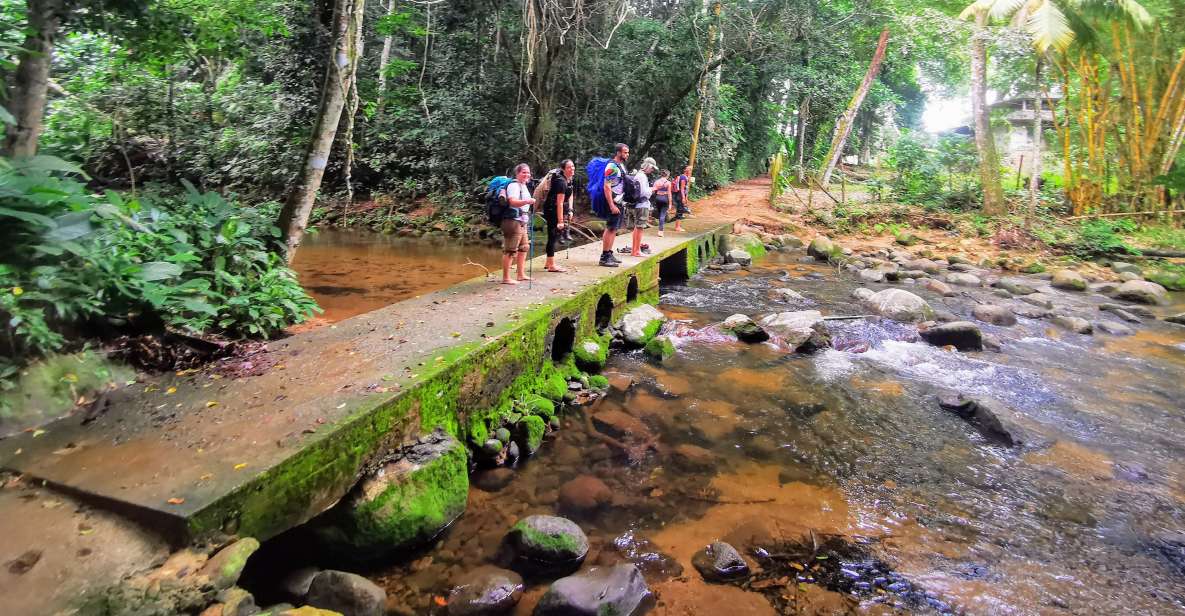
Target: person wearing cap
[{"x": 639, "y": 214}]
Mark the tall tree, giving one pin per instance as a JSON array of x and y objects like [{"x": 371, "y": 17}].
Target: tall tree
[
  {"x": 31, "y": 82},
  {"x": 843, "y": 126},
  {"x": 339, "y": 74},
  {"x": 985, "y": 143}
]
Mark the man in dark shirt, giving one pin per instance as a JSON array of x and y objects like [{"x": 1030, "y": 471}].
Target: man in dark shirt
[{"x": 555, "y": 208}]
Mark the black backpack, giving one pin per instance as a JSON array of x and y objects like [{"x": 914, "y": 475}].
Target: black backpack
[{"x": 631, "y": 189}]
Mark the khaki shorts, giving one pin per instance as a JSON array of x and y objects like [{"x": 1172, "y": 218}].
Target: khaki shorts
[
  {"x": 636, "y": 217},
  {"x": 514, "y": 236}
]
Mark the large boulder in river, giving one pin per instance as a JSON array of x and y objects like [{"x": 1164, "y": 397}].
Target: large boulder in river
[
  {"x": 485, "y": 591},
  {"x": 347, "y": 593},
  {"x": 802, "y": 330},
  {"x": 823, "y": 249},
  {"x": 1142, "y": 292},
  {"x": 744, "y": 329},
  {"x": 548, "y": 543},
  {"x": 985, "y": 414},
  {"x": 963, "y": 335},
  {"x": 738, "y": 256},
  {"x": 641, "y": 324},
  {"x": 619, "y": 590},
  {"x": 406, "y": 502},
  {"x": 1068, "y": 279},
  {"x": 899, "y": 305}
]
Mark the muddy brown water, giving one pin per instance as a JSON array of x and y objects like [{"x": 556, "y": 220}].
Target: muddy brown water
[
  {"x": 350, "y": 272},
  {"x": 757, "y": 447}
]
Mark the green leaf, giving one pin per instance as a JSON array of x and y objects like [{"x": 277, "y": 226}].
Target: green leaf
[
  {"x": 197, "y": 305},
  {"x": 6, "y": 117},
  {"x": 159, "y": 270},
  {"x": 29, "y": 217}
]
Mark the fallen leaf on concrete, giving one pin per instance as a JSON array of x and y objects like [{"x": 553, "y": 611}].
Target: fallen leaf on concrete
[
  {"x": 240, "y": 466},
  {"x": 175, "y": 501},
  {"x": 211, "y": 404},
  {"x": 170, "y": 391}
]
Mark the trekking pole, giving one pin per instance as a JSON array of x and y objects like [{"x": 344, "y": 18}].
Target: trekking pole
[{"x": 530, "y": 249}]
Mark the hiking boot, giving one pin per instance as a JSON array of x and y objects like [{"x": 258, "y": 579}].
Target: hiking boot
[{"x": 608, "y": 261}]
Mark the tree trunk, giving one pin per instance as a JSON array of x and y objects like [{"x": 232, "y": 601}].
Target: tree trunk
[
  {"x": 804, "y": 110},
  {"x": 989, "y": 165},
  {"x": 385, "y": 57},
  {"x": 1035, "y": 171},
  {"x": 843, "y": 126},
  {"x": 699, "y": 110},
  {"x": 347, "y": 31},
  {"x": 31, "y": 81}
]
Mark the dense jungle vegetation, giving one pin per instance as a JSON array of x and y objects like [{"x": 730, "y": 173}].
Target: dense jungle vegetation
[{"x": 163, "y": 157}]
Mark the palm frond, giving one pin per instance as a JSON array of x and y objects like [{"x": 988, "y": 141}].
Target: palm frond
[
  {"x": 1049, "y": 27},
  {"x": 1003, "y": 8}
]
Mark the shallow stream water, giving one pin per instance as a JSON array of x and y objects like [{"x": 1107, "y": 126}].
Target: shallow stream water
[{"x": 760, "y": 448}]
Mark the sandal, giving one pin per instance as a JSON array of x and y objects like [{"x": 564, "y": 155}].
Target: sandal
[{"x": 558, "y": 270}]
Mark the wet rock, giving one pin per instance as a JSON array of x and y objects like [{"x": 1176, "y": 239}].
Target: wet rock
[
  {"x": 1069, "y": 280},
  {"x": 958, "y": 260},
  {"x": 641, "y": 324},
  {"x": 1114, "y": 328},
  {"x": 1121, "y": 267},
  {"x": 789, "y": 295},
  {"x": 530, "y": 431},
  {"x": 992, "y": 343},
  {"x": 790, "y": 241},
  {"x": 406, "y": 502},
  {"x": 963, "y": 335},
  {"x": 548, "y": 542},
  {"x": 861, "y": 294},
  {"x": 984, "y": 414},
  {"x": 491, "y": 448},
  {"x": 1029, "y": 312},
  {"x": 224, "y": 567},
  {"x": 720, "y": 562},
  {"x": 899, "y": 305},
  {"x": 485, "y": 591},
  {"x": 619, "y": 590},
  {"x": 963, "y": 279},
  {"x": 237, "y": 602},
  {"x": 1178, "y": 319},
  {"x": 1104, "y": 288},
  {"x": 738, "y": 256},
  {"x": 1126, "y": 276},
  {"x": 1002, "y": 293},
  {"x": 347, "y": 593},
  {"x": 823, "y": 249},
  {"x": 503, "y": 435},
  {"x": 745, "y": 329},
  {"x": 1142, "y": 292},
  {"x": 1015, "y": 286},
  {"x": 693, "y": 457},
  {"x": 730, "y": 267},
  {"x": 871, "y": 275},
  {"x": 924, "y": 265},
  {"x": 493, "y": 480},
  {"x": 620, "y": 382},
  {"x": 945, "y": 316},
  {"x": 996, "y": 315},
  {"x": 1171, "y": 545},
  {"x": 619, "y": 425},
  {"x": 591, "y": 355},
  {"x": 939, "y": 287},
  {"x": 295, "y": 585},
  {"x": 1075, "y": 324},
  {"x": 803, "y": 330},
  {"x": 512, "y": 452},
  {"x": 584, "y": 494},
  {"x": 660, "y": 348},
  {"x": 1039, "y": 300}
]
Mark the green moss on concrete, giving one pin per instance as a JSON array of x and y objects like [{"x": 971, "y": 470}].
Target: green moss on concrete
[
  {"x": 532, "y": 428},
  {"x": 597, "y": 381},
  {"x": 48, "y": 389}
]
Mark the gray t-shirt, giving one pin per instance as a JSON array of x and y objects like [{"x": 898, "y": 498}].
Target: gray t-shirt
[{"x": 644, "y": 189}]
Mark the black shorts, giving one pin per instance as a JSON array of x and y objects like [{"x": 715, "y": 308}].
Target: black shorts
[{"x": 613, "y": 221}]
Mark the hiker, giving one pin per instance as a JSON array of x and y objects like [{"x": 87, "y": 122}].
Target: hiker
[
  {"x": 514, "y": 228},
  {"x": 662, "y": 198},
  {"x": 682, "y": 199},
  {"x": 555, "y": 208},
  {"x": 639, "y": 214},
  {"x": 614, "y": 190}
]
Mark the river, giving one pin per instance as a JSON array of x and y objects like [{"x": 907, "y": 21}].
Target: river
[{"x": 849, "y": 449}]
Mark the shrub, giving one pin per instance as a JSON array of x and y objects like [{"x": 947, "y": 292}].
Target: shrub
[{"x": 1099, "y": 237}]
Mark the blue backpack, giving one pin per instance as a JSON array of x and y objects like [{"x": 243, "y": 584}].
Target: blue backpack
[
  {"x": 596, "y": 185},
  {"x": 496, "y": 204}
]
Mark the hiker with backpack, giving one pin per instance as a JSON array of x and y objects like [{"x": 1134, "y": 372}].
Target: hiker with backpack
[
  {"x": 608, "y": 189},
  {"x": 555, "y": 193},
  {"x": 663, "y": 188},
  {"x": 682, "y": 198},
  {"x": 639, "y": 213},
  {"x": 514, "y": 224}
]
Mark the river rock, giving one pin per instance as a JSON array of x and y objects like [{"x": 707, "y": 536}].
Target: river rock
[
  {"x": 790, "y": 296},
  {"x": 745, "y": 329},
  {"x": 619, "y": 590},
  {"x": 802, "y": 330},
  {"x": 963, "y": 335},
  {"x": 996, "y": 315},
  {"x": 1114, "y": 328},
  {"x": 660, "y": 348},
  {"x": 925, "y": 265},
  {"x": 963, "y": 279},
  {"x": 1103, "y": 288},
  {"x": 584, "y": 494},
  {"x": 1142, "y": 292},
  {"x": 1015, "y": 286},
  {"x": 405, "y": 503},
  {"x": 861, "y": 294},
  {"x": 693, "y": 457},
  {"x": 494, "y": 479},
  {"x": 1121, "y": 267},
  {"x": 1126, "y": 276},
  {"x": 1029, "y": 312},
  {"x": 1068, "y": 279},
  {"x": 548, "y": 542},
  {"x": 225, "y": 566},
  {"x": 1039, "y": 300},
  {"x": 1075, "y": 324},
  {"x": 738, "y": 256},
  {"x": 350, "y": 594},
  {"x": 295, "y": 585},
  {"x": 823, "y": 249},
  {"x": 641, "y": 324},
  {"x": 958, "y": 260},
  {"x": 485, "y": 591},
  {"x": 899, "y": 305},
  {"x": 790, "y": 241},
  {"x": 939, "y": 287},
  {"x": 730, "y": 267},
  {"x": 1178, "y": 319},
  {"x": 871, "y": 275},
  {"x": 720, "y": 562},
  {"x": 591, "y": 355},
  {"x": 984, "y": 414},
  {"x": 619, "y": 425}
]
